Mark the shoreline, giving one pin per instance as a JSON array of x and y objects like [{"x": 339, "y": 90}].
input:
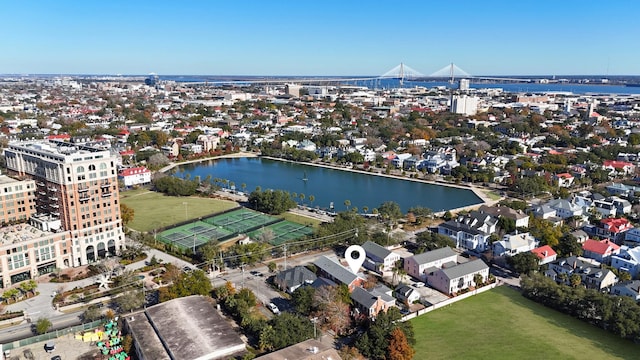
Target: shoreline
[
  {"x": 227, "y": 156},
  {"x": 478, "y": 192}
]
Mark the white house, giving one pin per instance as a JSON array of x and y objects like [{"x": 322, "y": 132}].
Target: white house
[
  {"x": 565, "y": 208},
  {"x": 514, "y": 244},
  {"x": 627, "y": 260},
  {"x": 471, "y": 231},
  {"x": 453, "y": 279},
  {"x": 135, "y": 176},
  {"x": 379, "y": 259},
  {"x": 420, "y": 265},
  {"x": 629, "y": 288},
  {"x": 398, "y": 161}
]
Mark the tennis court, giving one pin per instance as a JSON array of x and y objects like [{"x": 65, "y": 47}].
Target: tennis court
[
  {"x": 284, "y": 231},
  {"x": 241, "y": 220},
  {"x": 193, "y": 234}
]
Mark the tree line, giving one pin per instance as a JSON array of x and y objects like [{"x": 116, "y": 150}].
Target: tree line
[{"x": 617, "y": 314}]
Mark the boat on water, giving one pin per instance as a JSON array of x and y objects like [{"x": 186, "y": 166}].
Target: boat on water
[{"x": 304, "y": 177}]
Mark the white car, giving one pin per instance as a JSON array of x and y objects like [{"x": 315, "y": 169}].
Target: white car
[{"x": 274, "y": 309}]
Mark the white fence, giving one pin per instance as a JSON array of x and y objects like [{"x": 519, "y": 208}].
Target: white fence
[{"x": 450, "y": 301}]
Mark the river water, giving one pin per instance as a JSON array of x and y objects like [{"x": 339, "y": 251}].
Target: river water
[{"x": 330, "y": 185}]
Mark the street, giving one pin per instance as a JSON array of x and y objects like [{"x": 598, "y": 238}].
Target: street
[{"x": 250, "y": 279}]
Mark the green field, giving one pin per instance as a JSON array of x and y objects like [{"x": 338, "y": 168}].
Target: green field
[
  {"x": 502, "y": 324},
  {"x": 155, "y": 210}
]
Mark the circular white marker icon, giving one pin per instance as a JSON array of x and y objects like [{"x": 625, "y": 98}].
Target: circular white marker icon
[{"x": 355, "y": 264}]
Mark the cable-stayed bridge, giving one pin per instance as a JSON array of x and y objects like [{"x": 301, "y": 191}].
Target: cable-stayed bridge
[{"x": 400, "y": 72}]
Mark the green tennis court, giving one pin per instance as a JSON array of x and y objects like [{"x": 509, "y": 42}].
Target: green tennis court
[
  {"x": 284, "y": 231},
  {"x": 193, "y": 235},
  {"x": 241, "y": 220}
]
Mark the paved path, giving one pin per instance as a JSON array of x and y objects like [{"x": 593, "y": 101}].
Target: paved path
[{"x": 41, "y": 306}]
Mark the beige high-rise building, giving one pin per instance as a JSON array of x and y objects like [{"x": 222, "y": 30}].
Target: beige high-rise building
[
  {"x": 17, "y": 200},
  {"x": 76, "y": 191}
]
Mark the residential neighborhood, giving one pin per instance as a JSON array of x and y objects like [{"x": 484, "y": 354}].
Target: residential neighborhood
[{"x": 558, "y": 189}]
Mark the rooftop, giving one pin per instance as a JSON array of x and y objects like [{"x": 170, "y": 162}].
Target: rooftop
[
  {"x": 434, "y": 255},
  {"x": 14, "y": 234},
  {"x": 465, "y": 269},
  {"x": 189, "y": 328},
  {"x": 307, "y": 350}
]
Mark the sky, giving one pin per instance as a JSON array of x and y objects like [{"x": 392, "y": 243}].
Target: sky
[{"x": 328, "y": 37}]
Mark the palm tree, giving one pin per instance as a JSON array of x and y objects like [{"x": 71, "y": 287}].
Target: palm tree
[
  {"x": 347, "y": 203},
  {"x": 243, "y": 186},
  {"x": 301, "y": 197},
  {"x": 258, "y": 189},
  {"x": 294, "y": 196},
  {"x": 365, "y": 209},
  {"x": 311, "y": 199}
]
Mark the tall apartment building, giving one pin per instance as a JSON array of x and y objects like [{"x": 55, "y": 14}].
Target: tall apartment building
[
  {"x": 17, "y": 200},
  {"x": 76, "y": 189},
  {"x": 463, "y": 104}
]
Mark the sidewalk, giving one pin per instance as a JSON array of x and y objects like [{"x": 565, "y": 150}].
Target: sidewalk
[{"x": 41, "y": 305}]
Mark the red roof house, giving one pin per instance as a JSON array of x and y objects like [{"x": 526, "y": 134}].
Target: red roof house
[
  {"x": 545, "y": 253},
  {"x": 600, "y": 250},
  {"x": 625, "y": 166}
]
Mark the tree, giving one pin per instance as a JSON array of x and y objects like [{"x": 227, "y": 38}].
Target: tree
[
  {"x": 272, "y": 266},
  {"x": 130, "y": 300},
  {"x": 374, "y": 343},
  {"x": 399, "y": 348},
  {"x": 332, "y": 309},
  {"x": 428, "y": 240},
  {"x": 271, "y": 201},
  {"x": 157, "y": 160},
  {"x": 447, "y": 215},
  {"x": 209, "y": 252},
  {"x": 92, "y": 313},
  {"x": 347, "y": 203},
  {"x": 568, "y": 246},
  {"x": 524, "y": 263},
  {"x": 126, "y": 214},
  {"x": 350, "y": 353},
  {"x": 311, "y": 199},
  {"x": 43, "y": 325},
  {"x": 265, "y": 235},
  {"x": 575, "y": 280},
  {"x": 478, "y": 280},
  {"x": 193, "y": 282},
  {"x": 288, "y": 329},
  {"x": 303, "y": 299},
  {"x": 508, "y": 225},
  {"x": 390, "y": 210}
]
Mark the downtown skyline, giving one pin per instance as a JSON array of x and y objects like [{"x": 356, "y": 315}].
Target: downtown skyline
[{"x": 319, "y": 38}]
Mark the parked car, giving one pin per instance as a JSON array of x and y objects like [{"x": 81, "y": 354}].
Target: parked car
[{"x": 274, "y": 309}]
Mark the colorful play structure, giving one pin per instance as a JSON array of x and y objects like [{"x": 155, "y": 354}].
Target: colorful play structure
[{"x": 109, "y": 341}]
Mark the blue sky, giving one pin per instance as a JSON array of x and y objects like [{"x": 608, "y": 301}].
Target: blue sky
[{"x": 298, "y": 37}]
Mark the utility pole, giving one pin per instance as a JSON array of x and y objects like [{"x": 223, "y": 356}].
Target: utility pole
[
  {"x": 314, "y": 321},
  {"x": 186, "y": 207},
  {"x": 285, "y": 256}
]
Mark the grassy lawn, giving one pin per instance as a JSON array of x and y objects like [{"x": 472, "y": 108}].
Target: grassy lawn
[
  {"x": 302, "y": 220},
  {"x": 493, "y": 195},
  {"x": 502, "y": 324},
  {"x": 154, "y": 210}
]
